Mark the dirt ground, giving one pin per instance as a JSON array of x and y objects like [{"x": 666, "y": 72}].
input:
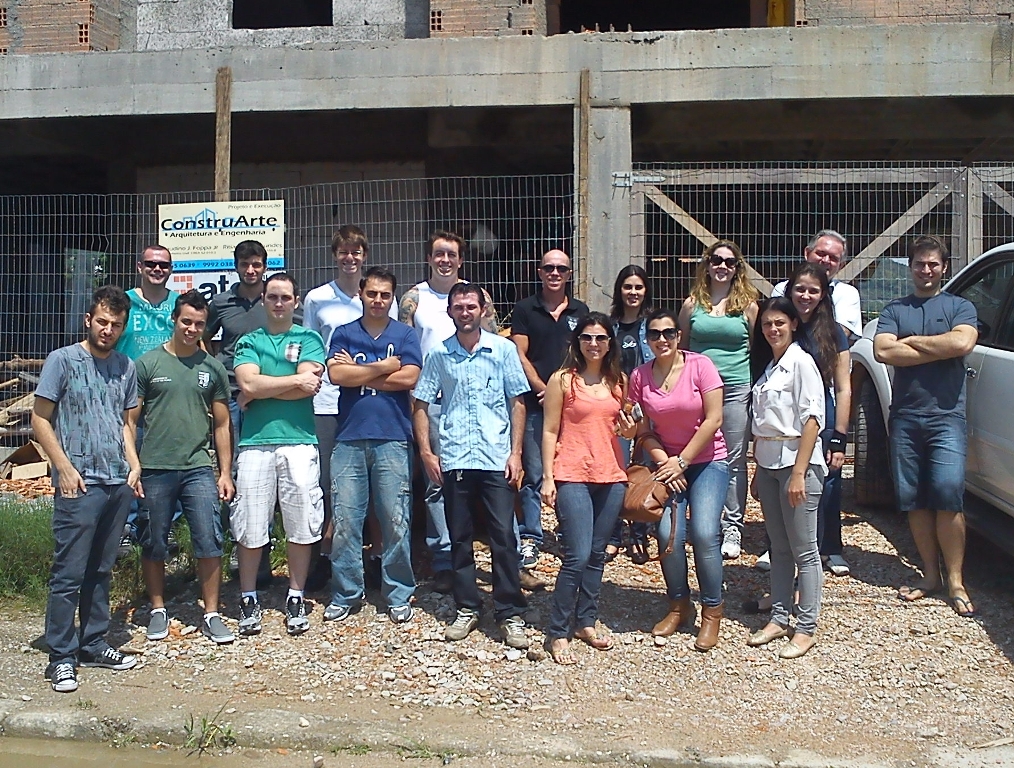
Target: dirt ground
[{"x": 887, "y": 680}]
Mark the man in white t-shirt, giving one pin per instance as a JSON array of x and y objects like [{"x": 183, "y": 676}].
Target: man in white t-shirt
[
  {"x": 424, "y": 307},
  {"x": 830, "y": 249},
  {"x": 325, "y": 308}
]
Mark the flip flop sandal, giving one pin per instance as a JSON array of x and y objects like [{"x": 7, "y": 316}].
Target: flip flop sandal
[
  {"x": 964, "y": 608},
  {"x": 599, "y": 641},
  {"x": 907, "y": 593},
  {"x": 562, "y": 656}
]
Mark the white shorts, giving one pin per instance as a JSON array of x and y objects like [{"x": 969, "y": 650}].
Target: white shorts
[{"x": 286, "y": 474}]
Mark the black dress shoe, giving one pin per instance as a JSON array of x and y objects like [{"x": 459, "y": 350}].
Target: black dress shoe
[{"x": 443, "y": 582}]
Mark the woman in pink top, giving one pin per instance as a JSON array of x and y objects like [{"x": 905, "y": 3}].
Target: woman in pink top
[
  {"x": 583, "y": 477},
  {"x": 681, "y": 395}
]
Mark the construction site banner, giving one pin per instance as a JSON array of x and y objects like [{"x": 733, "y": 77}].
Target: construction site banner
[{"x": 203, "y": 236}]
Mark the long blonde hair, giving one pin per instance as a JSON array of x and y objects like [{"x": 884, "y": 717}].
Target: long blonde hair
[{"x": 741, "y": 294}]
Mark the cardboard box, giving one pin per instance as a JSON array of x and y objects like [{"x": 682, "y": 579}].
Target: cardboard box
[{"x": 27, "y": 462}]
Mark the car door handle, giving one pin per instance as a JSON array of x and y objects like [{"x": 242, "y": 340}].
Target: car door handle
[{"x": 970, "y": 372}]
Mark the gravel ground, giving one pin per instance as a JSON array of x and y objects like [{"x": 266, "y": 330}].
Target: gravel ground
[{"x": 887, "y": 679}]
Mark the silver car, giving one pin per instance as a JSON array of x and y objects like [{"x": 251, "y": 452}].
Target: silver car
[{"x": 987, "y": 282}]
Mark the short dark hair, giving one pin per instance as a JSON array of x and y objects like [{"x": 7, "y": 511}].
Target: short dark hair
[
  {"x": 113, "y": 298},
  {"x": 460, "y": 289},
  {"x": 661, "y": 313},
  {"x": 379, "y": 273},
  {"x": 284, "y": 277},
  {"x": 926, "y": 244},
  {"x": 350, "y": 233},
  {"x": 155, "y": 247},
  {"x": 249, "y": 248},
  {"x": 443, "y": 234},
  {"x": 192, "y": 298}
]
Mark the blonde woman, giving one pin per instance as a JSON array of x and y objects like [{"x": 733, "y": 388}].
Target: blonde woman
[{"x": 717, "y": 320}]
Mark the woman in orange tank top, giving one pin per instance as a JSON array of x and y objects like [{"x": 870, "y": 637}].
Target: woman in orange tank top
[{"x": 583, "y": 477}]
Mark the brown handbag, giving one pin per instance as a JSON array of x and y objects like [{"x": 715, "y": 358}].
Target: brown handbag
[{"x": 645, "y": 498}]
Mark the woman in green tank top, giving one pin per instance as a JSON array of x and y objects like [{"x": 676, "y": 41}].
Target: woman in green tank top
[{"x": 717, "y": 320}]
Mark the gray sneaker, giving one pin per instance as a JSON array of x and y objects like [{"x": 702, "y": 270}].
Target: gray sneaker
[
  {"x": 763, "y": 562},
  {"x": 215, "y": 630},
  {"x": 295, "y": 616},
  {"x": 158, "y": 625},
  {"x": 513, "y": 628},
  {"x": 529, "y": 554},
  {"x": 464, "y": 622},
  {"x": 731, "y": 543},
  {"x": 249, "y": 616},
  {"x": 336, "y": 612},
  {"x": 400, "y": 614}
]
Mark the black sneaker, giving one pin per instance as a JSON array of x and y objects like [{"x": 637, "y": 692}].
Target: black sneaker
[
  {"x": 63, "y": 676},
  {"x": 249, "y": 616},
  {"x": 107, "y": 658},
  {"x": 529, "y": 554},
  {"x": 126, "y": 543},
  {"x": 295, "y": 616}
]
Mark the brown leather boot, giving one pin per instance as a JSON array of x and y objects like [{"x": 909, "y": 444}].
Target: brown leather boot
[
  {"x": 681, "y": 614},
  {"x": 711, "y": 620}
]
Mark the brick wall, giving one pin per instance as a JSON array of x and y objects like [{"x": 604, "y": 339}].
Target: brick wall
[
  {"x": 828, "y": 12},
  {"x": 487, "y": 18},
  {"x": 54, "y": 26}
]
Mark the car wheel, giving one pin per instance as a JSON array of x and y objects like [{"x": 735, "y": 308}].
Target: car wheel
[{"x": 872, "y": 483}]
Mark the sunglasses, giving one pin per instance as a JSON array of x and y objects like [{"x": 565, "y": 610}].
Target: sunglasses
[
  {"x": 654, "y": 334},
  {"x": 152, "y": 264},
  {"x": 717, "y": 261},
  {"x": 550, "y": 268},
  {"x": 593, "y": 338}
]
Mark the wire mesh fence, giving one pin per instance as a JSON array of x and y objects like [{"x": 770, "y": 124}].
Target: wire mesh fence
[{"x": 772, "y": 210}]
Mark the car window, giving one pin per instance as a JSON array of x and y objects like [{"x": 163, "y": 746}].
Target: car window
[{"x": 987, "y": 293}]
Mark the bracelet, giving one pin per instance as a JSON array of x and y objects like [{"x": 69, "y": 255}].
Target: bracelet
[{"x": 837, "y": 442}]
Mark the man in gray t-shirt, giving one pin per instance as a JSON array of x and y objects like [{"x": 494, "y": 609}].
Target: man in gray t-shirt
[
  {"x": 926, "y": 336},
  {"x": 79, "y": 418}
]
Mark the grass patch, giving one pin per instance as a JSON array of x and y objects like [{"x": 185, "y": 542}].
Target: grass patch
[
  {"x": 207, "y": 733},
  {"x": 26, "y": 540}
]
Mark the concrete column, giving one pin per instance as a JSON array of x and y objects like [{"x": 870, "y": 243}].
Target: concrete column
[{"x": 608, "y": 246}]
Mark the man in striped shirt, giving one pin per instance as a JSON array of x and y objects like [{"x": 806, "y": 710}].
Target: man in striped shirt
[{"x": 480, "y": 379}]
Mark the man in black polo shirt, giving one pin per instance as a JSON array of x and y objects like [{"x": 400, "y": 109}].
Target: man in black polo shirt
[{"x": 541, "y": 326}]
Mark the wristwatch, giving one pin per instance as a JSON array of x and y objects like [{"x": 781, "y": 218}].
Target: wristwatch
[{"x": 679, "y": 460}]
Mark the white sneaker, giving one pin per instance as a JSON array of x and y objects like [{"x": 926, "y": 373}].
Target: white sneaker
[
  {"x": 731, "y": 543},
  {"x": 837, "y": 565},
  {"x": 763, "y": 562}
]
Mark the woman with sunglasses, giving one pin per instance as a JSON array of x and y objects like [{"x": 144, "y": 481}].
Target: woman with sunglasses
[
  {"x": 680, "y": 393},
  {"x": 788, "y": 414},
  {"x": 717, "y": 320},
  {"x": 583, "y": 477},
  {"x": 631, "y": 301}
]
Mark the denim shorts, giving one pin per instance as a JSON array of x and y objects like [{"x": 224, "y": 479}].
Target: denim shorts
[
  {"x": 197, "y": 492},
  {"x": 928, "y": 462}
]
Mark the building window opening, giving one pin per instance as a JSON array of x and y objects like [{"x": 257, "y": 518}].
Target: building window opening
[
  {"x": 527, "y": 31},
  {"x": 82, "y": 34},
  {"x": 271, "y": 14},
  {"x": 3, "y": 17},
  {"x": 436, "y": 21},
  {"x": 651, "y": 15}
]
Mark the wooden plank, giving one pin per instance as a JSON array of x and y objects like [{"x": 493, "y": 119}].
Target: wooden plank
[
  {"x": 583, "y": 160},
  {"x": 698, "y": 230},
  {"x": 994, "y": 173},
  {"x": 1000, "y": 196},
  {"x": 223, "y": 133},
  {"x": 893, "y": 233},
  {"x": 799, "y": 176}
]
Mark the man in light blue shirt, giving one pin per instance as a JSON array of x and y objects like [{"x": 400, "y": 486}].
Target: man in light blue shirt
[{"x": 482, "y": 425}]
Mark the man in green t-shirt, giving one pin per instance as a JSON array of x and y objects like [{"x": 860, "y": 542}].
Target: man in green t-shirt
[
  {"x": 278, "y": 369},
  {"x": 178, "y": 385}
]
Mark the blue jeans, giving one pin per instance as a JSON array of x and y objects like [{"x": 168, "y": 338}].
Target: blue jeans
[
  {"x": 196, "y": 492},
  {"x": 464, "y": 489},
  {"x": 438, "y": 539},
  {"x": 86, "y": 536},
  {"x": 587, "y": 513},
  {"x": 380, "y": 470},
  {"x": 133, "y": 515},
  {"x": 928, "y": 462},
  {"x": 707, "y": 484},
  {"x": 530, "y": 526}
]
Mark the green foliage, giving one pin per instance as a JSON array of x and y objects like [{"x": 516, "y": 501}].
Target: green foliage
[
  {"x": 208, "y": 733},
  {"x": 26, "y": 540}
]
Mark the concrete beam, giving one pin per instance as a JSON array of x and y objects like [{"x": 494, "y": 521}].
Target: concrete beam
[{"x": 627, "y": 68}]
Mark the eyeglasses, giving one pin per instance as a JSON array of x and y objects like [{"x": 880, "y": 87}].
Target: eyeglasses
[
  {"x": 152, "y": 264},
  {"x": 654, "y": 334},
  {"x": 550, "y": 268},
  {"x": 593, "y": 338},
  {"x": 717, "y": 261}
]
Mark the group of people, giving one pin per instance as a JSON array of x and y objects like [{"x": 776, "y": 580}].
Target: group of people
[{"x": 317, "y": 415}]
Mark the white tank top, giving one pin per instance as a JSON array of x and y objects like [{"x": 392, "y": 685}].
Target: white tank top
[{"x": 431, "y": 319}]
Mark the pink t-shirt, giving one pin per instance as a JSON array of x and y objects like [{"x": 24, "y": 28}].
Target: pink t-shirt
[{"x": 677, "y": 415}]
